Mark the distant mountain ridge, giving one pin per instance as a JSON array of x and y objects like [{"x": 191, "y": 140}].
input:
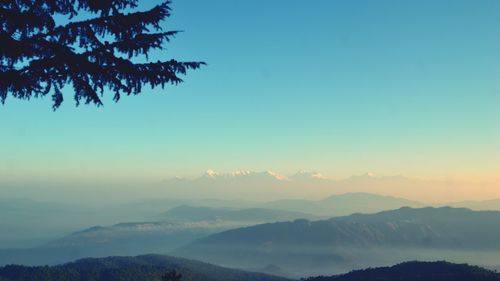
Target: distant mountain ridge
[
  {"x": 183, "y": 224},
  {"x": 175, "y": 228},
  {"x": 258, "y": 215},
  {"x": 359, "y": 240},
  {"x": 344, "y": 204},
  {"x": 119, "y": 239}
]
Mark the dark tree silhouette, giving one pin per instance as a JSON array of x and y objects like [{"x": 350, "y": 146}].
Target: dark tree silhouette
[
  {"x": 171, "y": 276},
  {"x": 101, "y": 51}
]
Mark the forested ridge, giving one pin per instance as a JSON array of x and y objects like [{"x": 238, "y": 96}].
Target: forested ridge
[
  {"x": 141, "y": 268},
  {"x": 416, "y": 271}
]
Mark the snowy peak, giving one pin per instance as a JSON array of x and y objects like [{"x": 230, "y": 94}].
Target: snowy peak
[
  {"x": 243, "y": 174},
  {"x": 306, "y": 175},
  {"x": 275, "y": 175},
  {"x": 365, "y": 176}
]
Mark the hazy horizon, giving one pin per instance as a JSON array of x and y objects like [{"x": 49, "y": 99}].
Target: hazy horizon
[{"x": 260, "y": 186}]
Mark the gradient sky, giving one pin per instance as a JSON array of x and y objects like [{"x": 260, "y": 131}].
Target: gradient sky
[{"x": 341, "y": 87}]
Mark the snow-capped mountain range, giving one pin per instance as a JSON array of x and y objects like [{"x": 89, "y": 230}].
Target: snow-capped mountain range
[
  {"x": 211, "y": 174},
  {"x": 247, "y": 174},
  {"x": 270, "y": 185}
]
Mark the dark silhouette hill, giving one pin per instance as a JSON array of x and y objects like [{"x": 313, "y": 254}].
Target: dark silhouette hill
[
  {"x": 140, "y": 268},
  {"x": 416, "y": 271}
]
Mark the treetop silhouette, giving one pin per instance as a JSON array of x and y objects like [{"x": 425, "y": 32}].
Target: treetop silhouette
[{"x": 39, "y": 57}]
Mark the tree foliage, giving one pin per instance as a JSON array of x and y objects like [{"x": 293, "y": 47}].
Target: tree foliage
[
  {"x": 171, "y": 276},
  {"x": 39, "y": 55}
]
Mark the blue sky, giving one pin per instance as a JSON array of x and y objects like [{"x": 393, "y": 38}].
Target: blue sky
[{"x": 340, "y": 87}]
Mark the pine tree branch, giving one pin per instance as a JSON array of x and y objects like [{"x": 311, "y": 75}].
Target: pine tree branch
[
  {"x": 142, "y": 43},
  {"x": 105, "y": 7},
  {"x": 121, "y": 26},
  {"x": 42, "y": 58}
]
